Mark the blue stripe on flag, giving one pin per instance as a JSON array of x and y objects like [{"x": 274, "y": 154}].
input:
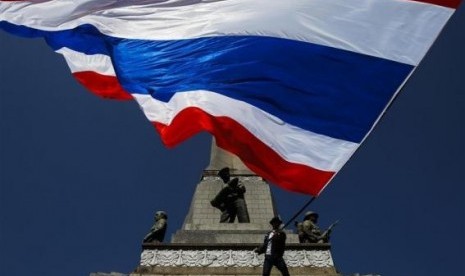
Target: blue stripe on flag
[
  {"x": 321, "y": 89},
  {"x": 85, "y": 38}
]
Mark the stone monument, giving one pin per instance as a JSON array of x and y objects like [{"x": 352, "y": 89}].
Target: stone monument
[{"x": 204, "y": 246}]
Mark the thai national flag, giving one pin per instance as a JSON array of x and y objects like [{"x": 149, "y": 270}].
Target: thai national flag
[{"x": 291, "y": 87}]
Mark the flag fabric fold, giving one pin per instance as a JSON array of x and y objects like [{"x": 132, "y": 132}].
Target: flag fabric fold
[{"x": 292, "y": 88}]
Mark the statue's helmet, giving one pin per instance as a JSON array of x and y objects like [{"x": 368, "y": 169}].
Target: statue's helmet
[
  {"x": 224, "y": 172},
  {"x": 310, "y": 214},
  {"x": 161, "y": 214}
]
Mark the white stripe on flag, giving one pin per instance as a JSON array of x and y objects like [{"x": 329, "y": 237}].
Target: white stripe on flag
[
  {"x": 79, "y": 62},
  {"x": 392, "y": 29},
  {"x": 292, "y": 144}
]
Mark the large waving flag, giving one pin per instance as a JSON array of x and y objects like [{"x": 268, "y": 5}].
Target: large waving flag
[{"x": 291, "y": 87}]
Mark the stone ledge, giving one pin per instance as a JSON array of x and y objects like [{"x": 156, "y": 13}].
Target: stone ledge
[
  {"x": 107, "y": 274},
  {"x": 230, "y": 271},
  {"x": 227, "y": 246},
  {"x": 215, "y": 225},
  {"x": 225, "y": 236},
  {"x": 233, "y": 173}
]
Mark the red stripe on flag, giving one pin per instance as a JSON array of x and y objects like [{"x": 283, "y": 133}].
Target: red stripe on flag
[
  {"x": 262, "y": 160},
  {"x": 103, "y": 86},
  {"x": 445, "y": 3}
]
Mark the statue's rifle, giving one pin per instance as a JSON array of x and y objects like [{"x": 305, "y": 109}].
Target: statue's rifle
[{"x": 330, "y": 228}]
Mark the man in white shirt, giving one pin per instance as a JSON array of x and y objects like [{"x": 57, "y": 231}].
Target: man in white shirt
[{"x": 273, "y": 246}]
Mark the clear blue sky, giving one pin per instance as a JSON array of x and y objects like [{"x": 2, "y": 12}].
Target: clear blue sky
[{"x": 80, "y": 177}]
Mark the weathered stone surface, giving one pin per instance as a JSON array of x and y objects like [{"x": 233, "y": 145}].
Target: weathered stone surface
[
  {"x": 203, "y": 216},
  {"x": 230, "y": 271},
  {"x": 230, "y": 259},
  {"x": 202, "y": 222},
  {"x": 225, "y": 236},
  {"x": 107, "y": 274}
]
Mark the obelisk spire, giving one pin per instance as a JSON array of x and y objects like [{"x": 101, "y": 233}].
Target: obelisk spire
[{"x": 220, "y": 158}]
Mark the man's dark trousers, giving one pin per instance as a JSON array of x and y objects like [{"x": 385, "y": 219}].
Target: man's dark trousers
[{"x": 278, "y": 262}]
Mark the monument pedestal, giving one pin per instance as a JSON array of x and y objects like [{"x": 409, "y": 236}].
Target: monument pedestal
[
  {"x": 230, "y": 259},
  {"x": 204, "y": 246}
]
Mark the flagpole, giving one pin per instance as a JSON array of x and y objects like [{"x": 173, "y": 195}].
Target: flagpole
[{"x": 300, "y": 211}]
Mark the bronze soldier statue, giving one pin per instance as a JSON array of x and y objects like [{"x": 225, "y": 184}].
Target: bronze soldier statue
[
  {"x": 300, "y": 231},
  {"x": 157, "y": 232},
  {"x": 310, "y": 232},
  {"x": 230, "y": 200}
]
